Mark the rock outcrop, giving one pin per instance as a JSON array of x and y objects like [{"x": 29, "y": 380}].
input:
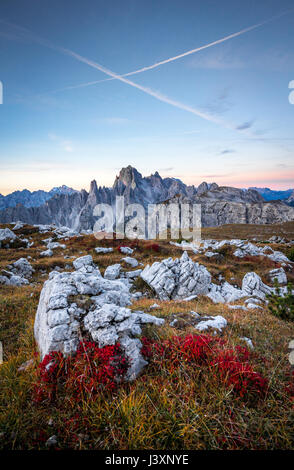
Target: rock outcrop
[
  {"x": 17, "y": 274},
  {"x": 177, "y": 279},
  {"x": 75, "y": 304},
  {"x": 278, "y": 275},
  {"x": 182, "y": 279}
]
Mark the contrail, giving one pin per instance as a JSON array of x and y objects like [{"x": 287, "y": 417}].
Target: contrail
[
  {"x": 180, "y": 56},
  {"x": 159, "y": 96},
  {"x": 114, "y": 76}
]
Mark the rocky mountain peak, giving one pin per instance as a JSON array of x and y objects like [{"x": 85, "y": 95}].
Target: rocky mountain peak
[
  {"x": 128, "y": 176},
  {"x": 93, "y": 187},
  {"x": 202, "y": 188}
]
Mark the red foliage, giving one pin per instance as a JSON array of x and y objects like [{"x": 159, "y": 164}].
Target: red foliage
[
  {"x": 236, "y": 372},
  {"x": 154, "y": 247},
  {"x": 230, "y": 366},
  {"x": 191, "y": 348},
  {"x": 91, "y": 371},
  {"x": 290, "y": 385}
]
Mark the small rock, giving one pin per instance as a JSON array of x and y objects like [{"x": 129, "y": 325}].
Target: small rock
[
  {"x": 154, "y": 306},
  {"x": 46, "y": 253},
  {"x": 101, "y": 249},
  {"x": 131, "y": 261},
  {"x": 51, "y": 442},
  {"x": 248, "y": 341},
  {"x": 113, "y": 271},
  {"x": 26, "y": 365},
  {"x": 126, "y": 250}
]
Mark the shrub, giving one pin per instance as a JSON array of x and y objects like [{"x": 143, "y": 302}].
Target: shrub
[
  {"x": 290, "y": 254},
  {"x": 236, "y": 372},
  {"x": 90, "y": 372},
  {"x": 282, "y": 306},
  {"x": 231, "y": 367}
]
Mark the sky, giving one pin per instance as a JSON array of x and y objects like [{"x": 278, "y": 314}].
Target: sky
[{"x": 72, "y": 110}]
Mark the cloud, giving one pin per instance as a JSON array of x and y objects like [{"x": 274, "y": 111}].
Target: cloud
[
  {"x": 226, "y": 151},
  {"x": 166, "y": 169},
  {"x": 66, "y": 145},
  {"x": 217, "y": 176},
  {"x": 221, "y": 103},
  {"x": 245, "y": 125}
]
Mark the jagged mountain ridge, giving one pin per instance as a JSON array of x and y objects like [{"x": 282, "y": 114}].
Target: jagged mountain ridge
[
  {"x": 274, "y": 195},
  {"x": 32, "y": 199},
  {"x": 220, "y": 204}
]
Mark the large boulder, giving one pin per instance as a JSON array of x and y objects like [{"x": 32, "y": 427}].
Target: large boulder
[
  {"x": 110, "y": 324},
  {"x": 6, "y": 236},
  {"x": 22, "y": 268},
  {"x": 278, "y": 275},
  {"x": 225, "y": 293},
  {"x": 177, "y": 279},
  {"x": 253, "y": 286},
  {"x": 112, "y": 271},
  {"x": 9, "y": 279},
  {"x": 79, "y": 303}
]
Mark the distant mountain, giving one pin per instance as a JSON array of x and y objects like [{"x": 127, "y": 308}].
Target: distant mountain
[
  {"x": 219, "y": 204},
  {"x": 273, "y": 195},
  {"x": 32, "y": 199},
  {"x": 290, "y": 199}
]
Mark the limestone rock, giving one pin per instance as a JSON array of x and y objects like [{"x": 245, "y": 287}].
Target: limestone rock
[
  {"x": 126, "y": 250},
  {"x": 253, "y": 286},
  {"x": 101, "y": 249},
  {"x": 113, "y": 271},
  {"x": 60, "y": 323},
  {"x": 177, "y": 279},
  {"x": 279, "y": 275},
  {"x": 22, "y": 268},
  {"x": 217, "y": 323},
  {"x": 6, "y": 237},
  {"x": 46, "y": 253},
  {"x": 131, "y": 261}
]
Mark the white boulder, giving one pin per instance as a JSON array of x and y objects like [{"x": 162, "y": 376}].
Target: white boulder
[
  {"x": 131, "y": 261},
  {"x": 46, "y": 253},
  {"x": 101, "y": 249},
  {"x": 126, "y": 250},
  {"x": 253, "y": 286},
  {"x": 279, "y": 275},
  {"x": 22, "y": 268},
  {"x": 113, "y": 271},
  {"x": 177, "y": 279},
  {"x": 60, "y": 323},
  {"x": 6, "y": 236}
]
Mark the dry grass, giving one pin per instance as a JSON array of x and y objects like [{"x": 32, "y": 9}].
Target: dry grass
[{"x": 161, "y": 410}]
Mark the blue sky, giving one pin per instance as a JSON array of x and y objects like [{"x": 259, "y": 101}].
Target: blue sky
[{"x": 221, "y": 114}]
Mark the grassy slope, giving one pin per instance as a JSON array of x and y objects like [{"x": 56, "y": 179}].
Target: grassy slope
[{"x": 161, "y": 409}]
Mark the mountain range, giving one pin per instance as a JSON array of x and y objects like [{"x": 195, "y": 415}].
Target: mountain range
[
  {"x": 32, "y": 199},
  {"x": 274, "y": 195},
  {"x": 220, "y": 204}
]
